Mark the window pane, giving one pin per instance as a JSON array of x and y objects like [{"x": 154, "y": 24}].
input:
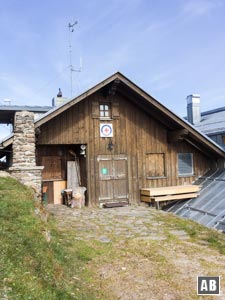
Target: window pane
[
  {"x": 185, "y": 164},
  {"x": 104, "y": 110}
]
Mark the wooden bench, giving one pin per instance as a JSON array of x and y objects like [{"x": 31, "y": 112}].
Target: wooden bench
[{"x": 169, "y": 193}]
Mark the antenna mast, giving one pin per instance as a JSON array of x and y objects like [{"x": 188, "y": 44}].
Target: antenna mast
[{"x": 71, "y": 30}]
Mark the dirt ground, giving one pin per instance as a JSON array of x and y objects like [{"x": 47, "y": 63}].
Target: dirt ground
[{"x": 145, "y": 256}]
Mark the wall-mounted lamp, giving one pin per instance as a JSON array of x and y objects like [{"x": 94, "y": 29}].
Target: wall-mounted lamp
[
  {"x": 110, "y": 145},
  {"x": 83, "y": 150}
]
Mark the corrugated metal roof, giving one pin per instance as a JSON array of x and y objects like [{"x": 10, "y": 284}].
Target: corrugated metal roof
[
  {"x": 209, "y": 208},
  {"x": 212, "y": 121}
]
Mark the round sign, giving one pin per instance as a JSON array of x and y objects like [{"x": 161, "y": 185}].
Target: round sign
[{"x": 106, "y": 130}]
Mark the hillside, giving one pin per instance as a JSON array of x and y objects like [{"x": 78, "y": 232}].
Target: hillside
[
  {"x": 36, "y": 262},
  {"x": 124, "y": 253}
]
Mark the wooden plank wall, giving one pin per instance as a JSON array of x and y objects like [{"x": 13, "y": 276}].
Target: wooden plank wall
[{"x": 135, "y": 135}]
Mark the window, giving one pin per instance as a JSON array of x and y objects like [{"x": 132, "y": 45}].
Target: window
[
  {"x": 105, "y": 111},
  {"x": 155, "y": 165},
  {"x": 185, "y": 164}
]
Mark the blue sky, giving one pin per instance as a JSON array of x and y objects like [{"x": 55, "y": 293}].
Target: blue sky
[{"x": 169, "y": 48}]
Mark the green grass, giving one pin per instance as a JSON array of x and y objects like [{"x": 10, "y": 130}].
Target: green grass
[
  {"x": 67, "y": 268},
  {"x": 32, "y": 267},
  {"x": 198, "y": 233}
]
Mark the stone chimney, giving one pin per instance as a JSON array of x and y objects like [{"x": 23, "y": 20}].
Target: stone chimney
[
  {"x": 24, "y": 157},
  {"x": 193, "y": 109}
]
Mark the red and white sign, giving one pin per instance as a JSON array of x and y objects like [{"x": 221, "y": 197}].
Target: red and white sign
[{"x": 106, "y": 130}]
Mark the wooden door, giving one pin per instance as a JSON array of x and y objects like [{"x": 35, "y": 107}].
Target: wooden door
[{"x": 113, "y": 178}]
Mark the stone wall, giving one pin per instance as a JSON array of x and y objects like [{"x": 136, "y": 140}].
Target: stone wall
[
  {"x": 24, "y": 140},
  {"x": 24, "y": 159}
]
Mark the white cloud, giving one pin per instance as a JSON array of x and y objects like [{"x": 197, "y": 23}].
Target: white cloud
[
  {"x": 163, "y": 80},
  {"x": 200, "y": 7}
]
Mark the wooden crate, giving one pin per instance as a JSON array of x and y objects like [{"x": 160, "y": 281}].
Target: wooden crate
[{"x": 53, "y": 190}]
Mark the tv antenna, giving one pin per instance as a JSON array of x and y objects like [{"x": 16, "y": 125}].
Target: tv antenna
[{"x": 71, "y": 30}]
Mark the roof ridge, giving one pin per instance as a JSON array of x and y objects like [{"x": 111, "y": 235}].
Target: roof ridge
[{"x": 212, "y": 111}]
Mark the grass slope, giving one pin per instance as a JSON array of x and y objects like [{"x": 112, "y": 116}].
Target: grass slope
[
  {"x": 32, "y": 267},
  {"x": 42, "y": 260}
]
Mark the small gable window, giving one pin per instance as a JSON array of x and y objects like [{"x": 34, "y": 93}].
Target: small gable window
[
  {"x": 185, "y": 164},
  {"x": 105, "y": 110}
]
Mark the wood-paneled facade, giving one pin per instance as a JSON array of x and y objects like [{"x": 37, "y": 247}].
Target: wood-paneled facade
[{"x": 141, "y": 152}]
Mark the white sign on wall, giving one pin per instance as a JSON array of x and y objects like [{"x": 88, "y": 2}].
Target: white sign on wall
[{"x": 106, "y": 130}]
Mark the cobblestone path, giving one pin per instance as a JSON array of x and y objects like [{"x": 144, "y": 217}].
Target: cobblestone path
[
  {"x": 144, "y": 254},
  {"x": 122, "y": 223}
]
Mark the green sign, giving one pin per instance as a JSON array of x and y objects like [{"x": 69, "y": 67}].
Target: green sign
[{"x": 104, "y": 171}]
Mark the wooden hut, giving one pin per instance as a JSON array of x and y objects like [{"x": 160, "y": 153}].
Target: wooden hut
[{"x": 115, "y": 139}]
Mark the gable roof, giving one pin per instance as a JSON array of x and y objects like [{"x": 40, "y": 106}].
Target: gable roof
[{"x": 146, "y": 102}]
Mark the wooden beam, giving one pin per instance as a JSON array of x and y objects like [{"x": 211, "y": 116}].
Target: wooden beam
[
  {"x": 177, "y": 135},
  {"x": 175, "y": 197},
  {"x": 111, "y": 89},
  {"x": 170, "y": 190},
  {"x": 146, "y": 198},
  {"x": 148, "y": 108}
]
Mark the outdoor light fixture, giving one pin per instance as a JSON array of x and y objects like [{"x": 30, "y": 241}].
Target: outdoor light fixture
[
  {"x": 83, "y": 150},
  {"x": 110, "y": 145}
]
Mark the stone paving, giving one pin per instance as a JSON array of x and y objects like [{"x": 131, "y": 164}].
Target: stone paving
[
  {"x": 136, "y": 222},
  {"x": 154, "y": 260}
]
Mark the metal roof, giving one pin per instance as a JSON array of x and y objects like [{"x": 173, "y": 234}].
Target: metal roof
[
  {"x": 212, "y": 122},
  {"x": 7, "y": 111},
  {"x": 209, "y": 208}
]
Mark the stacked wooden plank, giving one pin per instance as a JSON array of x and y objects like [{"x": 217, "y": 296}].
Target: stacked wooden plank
[{"x": 169, "y": 193}]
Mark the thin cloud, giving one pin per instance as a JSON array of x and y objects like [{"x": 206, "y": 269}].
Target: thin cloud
[
  {"x": 195, "y": 8},
  {"x": 163, "y": 80},
  {"x": 20, "y": 91},
  {"x": 164, "y": 75}
]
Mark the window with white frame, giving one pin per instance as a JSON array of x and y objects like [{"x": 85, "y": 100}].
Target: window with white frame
[
  {"x": 185, "y": 164},
  {"x": 105, "y": 110}
]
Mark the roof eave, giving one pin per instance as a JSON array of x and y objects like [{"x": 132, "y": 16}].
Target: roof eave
[
  {"x": 58, "y": 110},
  {"x": 6, "y": 141}
]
